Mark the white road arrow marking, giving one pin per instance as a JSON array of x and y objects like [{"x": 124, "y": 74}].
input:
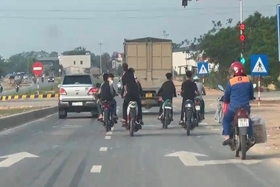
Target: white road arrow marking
[
  {"x": 189, "y": 159},
  {"x": 14, "y": 158}
]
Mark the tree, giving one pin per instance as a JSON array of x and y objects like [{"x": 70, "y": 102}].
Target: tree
[{"x": 221, "y": 44}]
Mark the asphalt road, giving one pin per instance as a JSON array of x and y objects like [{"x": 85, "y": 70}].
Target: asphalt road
[
  {"x": 76, "y": 152},
  {"x": 24, "y": 89}
]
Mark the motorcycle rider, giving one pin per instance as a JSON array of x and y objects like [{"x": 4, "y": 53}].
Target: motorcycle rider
[
  {"x": 239, "y": 91},
  {"x": 130, "y": 92},
  {"x": 138, "y": 83},
  {"x": 107, "y": 93},
  {"x": 167, "y": 91},
  {"x": 201, "y": 91},
  {"x": 188, "y": 91}
]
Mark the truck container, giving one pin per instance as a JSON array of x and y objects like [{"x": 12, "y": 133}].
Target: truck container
[{"x": 151, "y": 59}]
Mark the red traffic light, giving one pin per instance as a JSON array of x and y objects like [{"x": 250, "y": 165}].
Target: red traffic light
[
  {"x": 242, "y": 37},
  {"x": 242, "y": 26}
]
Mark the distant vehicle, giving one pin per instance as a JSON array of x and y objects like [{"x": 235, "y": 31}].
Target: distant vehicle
[
  {"x": 77, "y": 93},
  {"x": 51, "y": 79}
]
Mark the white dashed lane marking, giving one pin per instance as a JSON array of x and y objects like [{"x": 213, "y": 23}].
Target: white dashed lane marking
[
  {"x": 96, "y": 169},
  {"x": 107, "y": 137},
  {"x": 103, "y": 149}
]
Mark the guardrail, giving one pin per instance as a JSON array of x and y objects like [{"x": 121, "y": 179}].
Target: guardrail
[{"x": 25, "y": 96}]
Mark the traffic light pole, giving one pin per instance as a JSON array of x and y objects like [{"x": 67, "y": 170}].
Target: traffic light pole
[{"x": 241, "y": 19}]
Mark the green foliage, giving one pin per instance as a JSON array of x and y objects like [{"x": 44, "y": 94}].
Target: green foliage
[
  {"x": 23, "y": 62},
  {"x": 222, "y": 45}
]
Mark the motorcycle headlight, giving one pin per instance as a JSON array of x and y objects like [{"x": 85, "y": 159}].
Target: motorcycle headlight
[{"x": 188, "y": 105}]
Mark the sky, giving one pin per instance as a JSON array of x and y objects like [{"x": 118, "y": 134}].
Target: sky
[{"x": 60, "y": 25}]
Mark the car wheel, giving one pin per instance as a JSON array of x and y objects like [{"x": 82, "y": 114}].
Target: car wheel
[{"x": 62, "y": 114}]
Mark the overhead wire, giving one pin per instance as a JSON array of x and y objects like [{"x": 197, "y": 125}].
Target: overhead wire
[
  {"x": 168, "y": 10},
  {"x": 128, "y": 10}
]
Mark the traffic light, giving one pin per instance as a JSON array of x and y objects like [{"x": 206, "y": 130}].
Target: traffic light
[
  {"x": 242, "y": 37},
  {"x": 242, "y": 60},
  {"x": 184, "y": 3}
]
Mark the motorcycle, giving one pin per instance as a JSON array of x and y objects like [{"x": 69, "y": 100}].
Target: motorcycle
[
  {"x": 131, "y": 123},
  {"x": 119, "y": 87},
  {"x": 166, "y": 116},
  {"x": 240, "y": 125},
  {"x": 197, "y": 103},
  {"x": 17, "y": 88},
  {"x": 107, "y": 115},
  {"x": 219, "y": 109},
  {"x": 189, "y": 121}
]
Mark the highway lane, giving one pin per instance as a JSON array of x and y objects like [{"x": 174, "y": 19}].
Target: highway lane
[{"x": 76, "y": 152}]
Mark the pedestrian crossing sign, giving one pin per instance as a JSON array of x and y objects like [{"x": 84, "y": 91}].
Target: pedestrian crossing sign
[
  {"x": 203, "y": 68},
  {"x": 259, "y": 65}
]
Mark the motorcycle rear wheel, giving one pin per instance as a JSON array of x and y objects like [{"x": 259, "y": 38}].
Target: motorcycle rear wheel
[{"x": 243, "y": 144}]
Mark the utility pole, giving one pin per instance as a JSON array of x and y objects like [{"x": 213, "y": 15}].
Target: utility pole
[
  {"x": 241, "y": 20},
  {"x": 100, "y": 63}
]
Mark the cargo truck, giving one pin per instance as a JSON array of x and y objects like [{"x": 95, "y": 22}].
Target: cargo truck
[{"x": 152, "y": 59}]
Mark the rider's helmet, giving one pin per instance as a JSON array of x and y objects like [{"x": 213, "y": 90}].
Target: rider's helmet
[
  {"x": 236, "y": 69},
  {"x": 195, "y": 78}
]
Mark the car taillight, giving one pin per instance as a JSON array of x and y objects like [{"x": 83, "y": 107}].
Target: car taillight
[
  {"x": 93, "y": 91},
  {"x": 62, "y": 91}
]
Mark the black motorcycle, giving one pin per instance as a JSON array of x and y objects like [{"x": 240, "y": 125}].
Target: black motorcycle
[
  {"x": 189, "y": 121},
  {"x": 108, "y": 120}
]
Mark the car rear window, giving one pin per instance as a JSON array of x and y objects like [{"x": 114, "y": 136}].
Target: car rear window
[{"x": 77, "y": 79}]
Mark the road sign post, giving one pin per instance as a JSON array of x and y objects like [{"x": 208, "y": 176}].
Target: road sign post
[
  {"x": 259, "y": 67},
  {"x": 202, "y": 69},
  {"x": 38, "y": 69}
]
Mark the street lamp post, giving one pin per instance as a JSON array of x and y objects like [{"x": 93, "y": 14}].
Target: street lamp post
[{"x": 241, "y": 19}]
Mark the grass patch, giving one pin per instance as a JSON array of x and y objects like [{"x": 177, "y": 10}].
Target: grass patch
[
  {"x": 8, "y": 112},
  {"x": 52, "y": 89}
]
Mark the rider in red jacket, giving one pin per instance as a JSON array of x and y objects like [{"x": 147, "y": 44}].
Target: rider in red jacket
[{"x": 239, "y": 91}]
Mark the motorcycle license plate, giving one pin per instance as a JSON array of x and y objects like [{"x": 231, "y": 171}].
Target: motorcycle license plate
[
  {"x": 243, "y": 122},
  {"x": 149, "y": 95},
  {"x": 197, "y": 107},
  {"x": 168, "y": 107}
]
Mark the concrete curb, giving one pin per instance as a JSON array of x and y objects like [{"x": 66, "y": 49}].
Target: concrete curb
[
  {"x": 31, "y": 96},
  {"x": 17, "y": 120}
]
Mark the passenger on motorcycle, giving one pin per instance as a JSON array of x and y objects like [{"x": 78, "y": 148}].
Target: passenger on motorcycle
[
  {"x": 167, "y": 91},
  {"x": 188, "y": 91},
  {"x": 201, "y": 91},
  {"x": 107, "y": 93},
  {"x": 130, "y": 92},
  {"x": 238, "y": 93}
]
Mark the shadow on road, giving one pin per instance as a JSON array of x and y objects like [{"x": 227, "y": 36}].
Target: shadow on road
[{"x": 263, "y": 157}]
